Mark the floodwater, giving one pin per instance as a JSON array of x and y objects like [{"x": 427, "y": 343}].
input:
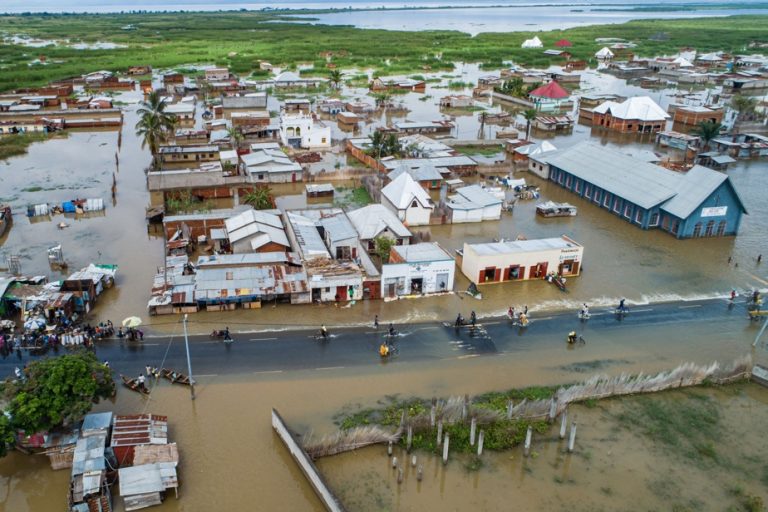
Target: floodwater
[
  {"x": 230, "y": 458},
  {"x": 619, "y": 260}
]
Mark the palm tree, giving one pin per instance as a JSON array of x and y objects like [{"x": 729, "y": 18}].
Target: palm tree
[
  {"x": 529, "y": 116},
  {"x": 377, "y": 144},
  {"x": 154, "y": 124},
  {"x": 335, "y": 77},
  {"x": 744, "y": 105},
  {"x": 707, "y": 130},
  {"x": 235, "y": 137},
  {"x": 392, "y": 145}
]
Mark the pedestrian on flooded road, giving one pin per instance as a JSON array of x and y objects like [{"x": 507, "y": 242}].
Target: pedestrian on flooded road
[
  {"x": 376, "y": 322},
  {"x": 473, "y": 318}
]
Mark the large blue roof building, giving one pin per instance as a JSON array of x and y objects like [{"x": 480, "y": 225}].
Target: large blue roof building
[{"x": 699, "y": 203}]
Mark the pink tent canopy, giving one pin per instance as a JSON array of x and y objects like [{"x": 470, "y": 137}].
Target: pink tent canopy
[{"x": 552, "y": 90}]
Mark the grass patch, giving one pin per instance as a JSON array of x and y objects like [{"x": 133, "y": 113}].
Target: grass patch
[
  {"x": 479, "y": 150},
  {"x": 240, "y": 39},
  {"x": 349, "y": 197},
  {"x": 17, "y": 144},
  {"x": 688, "y": 425}
]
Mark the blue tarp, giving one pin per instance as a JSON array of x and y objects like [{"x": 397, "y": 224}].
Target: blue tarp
[{"x": 68, "y": 207}]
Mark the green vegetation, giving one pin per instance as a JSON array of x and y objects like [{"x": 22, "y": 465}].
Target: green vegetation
[
  {"x": 384, "y": 245},
  {"x": 384, "y": 145},
  {"x": 260, "y": 198},
  {"x": 458, "y": 84},
  {"x": 6, "y": 434},
  {"x": 17, "y": 144},
  {"x": 479, "y": 150},
  {"x": 154, "y": 124},
  {"x": 688, "y": 425},
  {"x": 240, "y": 39},
  {"x": 56, "y": 392},
  {"x": 707, "y": 130},
  {"x": 184, "y": 202},
  {"x": 353, "y": 197}
]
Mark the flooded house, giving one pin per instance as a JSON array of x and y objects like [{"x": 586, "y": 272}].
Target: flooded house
[
  {"x": 216, "y": 74},
  {"x": 526, "y": 153},
  {"x": 192, "y": 226},
  {"x": 639, "y": 114},
  {"x": 428, "y": 127},
  {"x": 456, "y": 101},
  {"x": 562, "y": 123},
  {"x": 519, "y": 260},
  {"x": 698, "y": 203},
  {"x": 403, "y": 84},
  {"x": 249, "y": 119},
  {"x": 408, "y": 200},
  {"x": 677, "y": 140},
  {"x": 249, "y": 101},
  {"x": 417, "y": 269},
  {"x": 473, "y": 204},
  {"x": 424, "y": 172},
  {"x": 550, "y": 97},
  {"x": 268, "y": 163},
  {"x": 297, "y": 105},
  {"x": 742, "y": 145},
  {"x": 690, "y": 115},
  {"x": 188, "y": 154},
  {"x": 331, "y": 106},
  {"x": 298, "y": 130},
  {"x": 255, "y": 231},
  {"x": 376, "y": 220},
  {"x": 183, "y": 111},
  {"x": 88, "y": 284},
  {"x": 91, "y": 476}
]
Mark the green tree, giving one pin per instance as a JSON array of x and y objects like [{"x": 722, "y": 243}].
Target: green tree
[
  {"x": 235, "y": 137},
  {"x": 7, "y": 437},
  {"x": 707, "y": 130},
  {"x": 335, "y": 78},
  {"x": 154, "y": 124},
  {"x": 377, "y": 144},
  {"x": 59, "y": 391},
  {"x": 744, "y": 105},
  {"x": 529, "y": 116},
  {"x": 383, "y": 245},
  {"x": 260, "y": 198},
  {"x": 392, "y": 146}
]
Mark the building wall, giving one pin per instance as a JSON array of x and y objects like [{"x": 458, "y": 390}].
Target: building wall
[
  {"x": 244, "y": 247},
  {"x": 540, "y": 169},
  {"x": 657, "y": 218},
  {"x": 609, "y": 122},
  {"x": 432, "y": 274},
  {"x": 688, "y": 118},
  {"x": 529, "y": 265},
  {"x": 328, "y": 287},
  {"x": 464, "y": 216},
  {"x": 416, "y": 216}
]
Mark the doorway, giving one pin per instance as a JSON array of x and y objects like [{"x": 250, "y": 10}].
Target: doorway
[{"x": 417, "y": 285}]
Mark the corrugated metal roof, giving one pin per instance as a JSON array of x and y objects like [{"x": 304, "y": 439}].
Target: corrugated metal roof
[
  {"x": 89, "y": 453},
  {"x": 372, "y": 220},
  {"x": 338, "y": 227},
  {"x": 422, "y": 253},
  {"x": 517, "y": 246},
  {"x": 696, "y": 185},
  {"x": 308, "y": 237},
  {"x": 256, "y": 258},
  {"x": 96, "y": 421},
  {"x": 139, "y": 429},
  {"x": 426, "y": 172},
  {"x": 644, "y": 184},
  {"x": 477, "y": 195},
  {"x": 403, "y": 190}
]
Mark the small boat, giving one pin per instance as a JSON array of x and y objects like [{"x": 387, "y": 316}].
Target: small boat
[
  {"x": 553, "y": 209},
  {"x": 175, "y": 377},
  {"x": 5, "y": 218},
  {"x": 133, "y": 385},
  {"x": 557, "y": 280}
]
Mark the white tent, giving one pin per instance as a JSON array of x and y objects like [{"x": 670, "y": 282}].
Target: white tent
[
  {"x": 532, "y": 43},
  {"x": 682, "y": 62},
  {"x": 605, "y": 53}
]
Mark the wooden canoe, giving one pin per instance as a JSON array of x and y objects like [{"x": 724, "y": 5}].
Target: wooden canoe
[
  {"x": 133, "y": 385},
  {"x": 180, "y": 378}
]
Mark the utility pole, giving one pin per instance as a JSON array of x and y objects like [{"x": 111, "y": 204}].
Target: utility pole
[{"x": 189, "y": 362}]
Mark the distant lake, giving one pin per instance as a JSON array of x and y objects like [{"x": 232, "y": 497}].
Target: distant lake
[{"x": 503, "y": 19}]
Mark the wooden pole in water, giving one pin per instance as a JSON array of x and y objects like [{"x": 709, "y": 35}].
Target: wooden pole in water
[
  {"x": 572, "y": 439},
  {"x": 472, "y": 428},
  {"x": 420, "y": 473},
  {"x": 413, "y": 461},
  {"x": 552, "y": 409},
  {"x": 394, "y": 462},
  {"x": 510, "y": 405},
  {"x": 400, "y": 476},
  {"x": 528, "y": 436},
  {"x": 445, "y": 448},
  {"x": 563, "y": 423},
  {"x": 439, "y": 432},
  {"x": 389, "y": 448},
  {"x": 480, "y": 440},
  {"x": 410, "y": 438}
]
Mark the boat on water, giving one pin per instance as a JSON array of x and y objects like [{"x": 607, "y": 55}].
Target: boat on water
[
  {"x": 553, "y": 209},
  {"x": 5, "y": 218},
  {"x": 133, "y": 385},
  {"x": 175, "y": 377}
]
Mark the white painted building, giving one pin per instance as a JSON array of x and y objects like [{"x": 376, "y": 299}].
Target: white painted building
[
  {"x": 300, "y": 130},
  {"x": 408, "y": 200},
  {"x": 216, "y": 74},
  {"x": 417, "y": 270},
  {"x": 521, "y": 259},
  {"x": 473, "y": 204},
  {"x": 267, "y": 163},
  {"x": 376, "y": 220}
]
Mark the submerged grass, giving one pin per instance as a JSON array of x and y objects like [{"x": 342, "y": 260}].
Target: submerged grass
[
  {"x": 17, "y": 144},
  {"x": 240, "y": 39},
  {"x": 479, "y": 150}
]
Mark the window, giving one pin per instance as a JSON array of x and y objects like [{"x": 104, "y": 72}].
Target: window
[
  {"x": 654, "y": 219},
  {"x": 675, "y": 226},
  {"x": 598, "y": 195},
  {"x": 578, "y": 186},
  {"x": 628, "y": 211},
  {"x": 322, "y": 141},
  {"x": 415, "y": 204},
  {"x": 639, "y": 216},
  {"x": 607, "y": 200},
  {"x": 721, "y": 228},
  {"x": 616, "y": 205},
  {"x": 588, "y": 191},
  {"x": 710, "y": 228},
  {"x": 697, "y": 230},
  {"x": 261, "y": 176},
  {"x": 568, "y": 181},
  {"x": 665, "y": 223},
  {"x": 561, "y": 178}
]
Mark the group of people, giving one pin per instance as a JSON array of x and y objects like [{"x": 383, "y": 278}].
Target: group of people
[
  {"x": 131, "y": 333},
  {"x": 518, "y": 317}
]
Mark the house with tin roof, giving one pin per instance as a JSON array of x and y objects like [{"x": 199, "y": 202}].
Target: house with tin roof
[
  {"x": 699, "y": 203},
  {"x": 376, "y": 220},
  {"x": 408, "y": 200},
  {"x": 639, "y": 114},
  {"x": 473, "y": 204}
]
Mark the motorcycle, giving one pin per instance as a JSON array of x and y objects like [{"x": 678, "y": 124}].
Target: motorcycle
[
  {"x": 584, "y": 315},
  {"x": 219, "y": 334}
]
